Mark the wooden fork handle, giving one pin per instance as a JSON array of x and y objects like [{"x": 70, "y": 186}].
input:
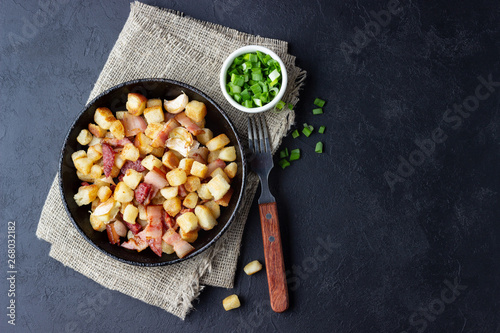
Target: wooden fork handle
[{"x": 275, "y": 266}]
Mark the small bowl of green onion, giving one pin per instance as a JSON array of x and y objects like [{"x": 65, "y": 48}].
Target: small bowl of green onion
[{"x": 253, "y": 79}]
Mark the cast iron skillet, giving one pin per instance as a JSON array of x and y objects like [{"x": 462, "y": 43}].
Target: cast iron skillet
[{"x": 115, "y": 99}]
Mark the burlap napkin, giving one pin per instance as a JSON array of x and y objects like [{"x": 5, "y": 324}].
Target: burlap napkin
[{"x": 165, "y": 44}]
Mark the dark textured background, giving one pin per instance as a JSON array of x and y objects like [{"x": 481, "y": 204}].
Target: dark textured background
[{"x": 391, "y": 251}]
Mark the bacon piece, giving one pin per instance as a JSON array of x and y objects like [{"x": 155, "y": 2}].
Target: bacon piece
[
  {"x": 218, "y": 163},
  {"x": 162, "y": 135},
  {"x": 112, "y": 235},
  {"x": 151, "y": 195},
  {"x": 199, "y": 154},
  {"x": 181, "y": 247},
  {"x": 116, "y": 142},
  {"x": 137, "y": 166},
  {"x": 141, "y": 235},
  {"x": 153, "y": 230},
  {"x": 135, "y": 244},
  {"x": 188, "y": 124},
  {"x": 120, "y": 177},
  {"x": 133, "y": 124},
  {"x": 157, "y": 178},
  {"x": 186, "y": 210},
  {"x": 142, "y": 192},
  {"x": 169, "y": 222},
  {"x": 108, "y": 159},
  {"x": 182, "y": 191},
  {"x": 85, "y": 184},
  {"x": 171, "y": 237},
  {"x": 135, "y": 228},
  {"x": 169, "y": 116}
]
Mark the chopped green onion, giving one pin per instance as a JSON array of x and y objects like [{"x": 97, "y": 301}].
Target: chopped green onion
[
  {"x": 321, "y": 129},
  {"x": 294, "y": 154},
  {"x": 246, "y": 66},
  {"x": 319, "y": 147},
  {"x": 252, "y": 57},
  {"x": 255, "y": 78},
  {"x": 319, "y": 102},
  {"x": 245, "y": 95},
  {"x": 273, "y": 83},
  {"x": 233, "y": 88},
  {"x": 238, "y": 80},
  {"x": 295, "y": 134},
  {"x": 256, "y": 89},
  {"x": 264, "y": 86},
  {"x": 307, "y": 131},
  {"x": 284, "y": 153},
  {"x": 261, "y": 55},
  {"x": 257, "y": 101},
  {"x": 290, "y": 106},
  {"x": 280, "y": 105},
  {"x": 318, "y": 111},
  {"x": 274, "y": 75},
  {"x": 238, "y": 61},
  {"x": 311, "y": 128},
  {"x": 284, "y": 163}
]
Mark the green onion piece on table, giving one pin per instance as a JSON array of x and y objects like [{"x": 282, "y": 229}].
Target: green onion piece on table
[
  {"x": 318, "y": 111},
  {"x": 321, "y": 129},
  {"x": 319, "y": 147},
  {"x": 280, "y": 105},
  {"x": 295, "y": 134},
  {"x": 284, "y": 153},
  {"x": 294, "y": 154},
  {"x": 284, "y": 163},
  {"x": 319, "y": 102},
  {"x": 306, "y": 131}
]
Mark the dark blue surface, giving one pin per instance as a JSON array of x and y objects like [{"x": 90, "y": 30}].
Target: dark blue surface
[{"x": 362, "y": 257}]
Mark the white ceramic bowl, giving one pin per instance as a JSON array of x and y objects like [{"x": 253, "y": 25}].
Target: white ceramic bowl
[{"x": 248, "y": 49}]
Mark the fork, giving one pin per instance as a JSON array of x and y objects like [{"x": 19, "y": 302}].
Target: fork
[{"x": 261, "y": 163}]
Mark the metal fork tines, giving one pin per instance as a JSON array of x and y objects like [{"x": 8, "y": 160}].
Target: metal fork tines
[{"x": 261, "y": 160}]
